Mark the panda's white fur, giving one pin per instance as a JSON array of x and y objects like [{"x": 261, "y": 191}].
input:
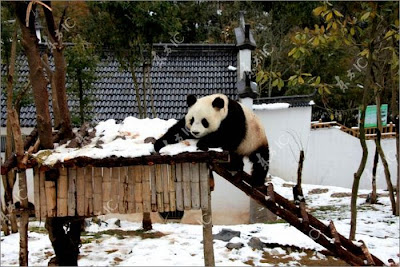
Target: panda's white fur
[{"x": 255, "y": 134}]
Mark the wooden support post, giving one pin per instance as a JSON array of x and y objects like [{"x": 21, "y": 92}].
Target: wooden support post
[
  {"x": 36, "y": 191},
  {"x": 368, "y": 256},
  {"x": 89, "y": 191},
  {"x": 334, "y": 233},
  {"x": 147, "y": 175},
  {"x": 62, "y": 193},
  {"x": 72, "y": 191},
  {"x": 131, "y": 190},
  {"x": 207, "y": 232},
  {"x": 159, "y": 189},
  {"x": 107, "y": 207},
  {"x": 97, "y": 191},
  {"x": 178, "y": 187},
  {"x": 80, "y": 191}
]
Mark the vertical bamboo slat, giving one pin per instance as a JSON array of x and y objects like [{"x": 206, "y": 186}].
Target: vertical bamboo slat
[
  {"x": 153, "y": 189},
  {"x": 36, "y": 191},
  {"x": 97, "y": 191},
  {"x": 89, "y": 191},
  {"x": 106, "y": 186},
  {"x": 138, "y": 189},
  {"x": 178, "y": 187},
  {"x": 72, "y": 191},
  {"x": 80, "y": 191},
  {"x": 147, "y": 174},
  {"x": 131, "y": 190},
  {"x": 114, "y": 189},
  {"x": 204, "y": 186},
  {"x": 171, "y": 188},
  {"x": 62, "y": 193},
  {"x": 166, "y": 173},
  {"x": 123, "y": 190},
  {"x": 51, "y": 198},
  {"x": 187, "y": 198},
  {"x": 195, "y": 185},
  {"x": 43, "y": 202},
  {"x": 159, "y": 188}
]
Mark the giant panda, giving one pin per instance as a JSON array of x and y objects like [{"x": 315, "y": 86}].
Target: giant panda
[{"x": 218, "y": 121}]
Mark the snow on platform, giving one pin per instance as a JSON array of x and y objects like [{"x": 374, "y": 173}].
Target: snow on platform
[{"x": 126, "y": 139}]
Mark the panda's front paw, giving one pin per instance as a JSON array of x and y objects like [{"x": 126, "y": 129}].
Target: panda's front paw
[
  {"x": 158, "y": 145},
  {"x": 202, "y": 146}
]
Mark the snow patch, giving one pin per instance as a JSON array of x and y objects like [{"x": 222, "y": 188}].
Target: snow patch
[{"x": 272, "y": 106}]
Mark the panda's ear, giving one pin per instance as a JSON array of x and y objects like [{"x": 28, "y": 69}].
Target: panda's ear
[
  {"x": 190, "y": 100},
  {"x": 218, "y": 103}
]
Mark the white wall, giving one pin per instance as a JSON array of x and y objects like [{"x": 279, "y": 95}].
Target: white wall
[{"x": 331, "y": 156}]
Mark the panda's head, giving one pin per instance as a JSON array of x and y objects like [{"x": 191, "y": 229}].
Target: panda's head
[{"x": 205, "y": 114}]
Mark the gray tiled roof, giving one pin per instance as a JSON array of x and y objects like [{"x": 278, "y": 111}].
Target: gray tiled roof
[{"x": 187, "y": 69}]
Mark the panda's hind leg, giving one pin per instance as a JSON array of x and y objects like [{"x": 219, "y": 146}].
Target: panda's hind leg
[
  {"x": 260, "y": 160},
  {"x": 235, "y": 162}
]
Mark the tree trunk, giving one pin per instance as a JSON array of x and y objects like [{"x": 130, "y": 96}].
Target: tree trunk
[
  {"x": 81, "y": 106},
  {"x": 373, "y": 199},
  {"x": 381, "y": 152},
  {"x": 136, "y": 85},
  {"x": 145, "y": 69},
  {"x": 23, "y": 191},
  {"x": 56, "y": 110},
  {"x": 9, "y": 178},
  {"x": 59, "y": 74},
  {"x": 395, "y": 117},
  {"x": 36, "y": 75}
]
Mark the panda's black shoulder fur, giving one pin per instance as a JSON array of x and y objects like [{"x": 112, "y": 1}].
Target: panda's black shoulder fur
[
  {"x": 229, "y": 135},
  {"x": 231, "y": 132}
]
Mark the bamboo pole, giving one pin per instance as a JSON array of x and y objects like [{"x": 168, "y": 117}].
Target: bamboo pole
[
  {"x": 80, "y": 191},
  {"x": 131, "y": 190},
  {"x": 159, "y": 189},
  {"x": 187, "y": 198},
  {"x": 153, "y": 189},
  {"x": 178, "y": 187},
  {"x": 106, "y": 186},
  {"x": 62, "y": 193},
  {"x": 115, "y": 188},
  {"x": 51, "y": 198},
  {"x": 208, "y": 247},
  {"x": 171, "y": 188},
  {"x": 165, "y": 178},
  {"x": 72, "y": 191},
  {"x": 97, "y": 190},
  {"x": 89, "y": 191},
  {"x": 147, "y": 174},
  {"x": 43, "y": 202},
  {"x": 138, "y": 189},
  {"x": 204, "y": 186},
  {"x": 36, "y": 191},
  {"x": 195, "y": 185},
  {"x": 123, "y": 190}
]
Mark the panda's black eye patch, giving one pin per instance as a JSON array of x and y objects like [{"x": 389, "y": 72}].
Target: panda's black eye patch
[
  {"x": 191, "y": 121},
  {"x": 205, "y": 123}
]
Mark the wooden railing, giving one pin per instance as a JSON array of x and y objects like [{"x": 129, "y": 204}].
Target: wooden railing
[{"x": 388, "y": 131}]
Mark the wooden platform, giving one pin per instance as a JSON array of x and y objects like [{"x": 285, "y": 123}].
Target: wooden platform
[{"x": 90, "y": 191}]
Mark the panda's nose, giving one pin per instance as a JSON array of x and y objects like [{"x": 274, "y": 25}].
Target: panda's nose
[{"x": 195, "y": 133}]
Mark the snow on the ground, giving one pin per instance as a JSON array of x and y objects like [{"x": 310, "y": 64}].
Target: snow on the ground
[
  {"x": 126, "y": 139},
  {"x": 272, "y": 106},
  {"x": 181, "y": 243}
]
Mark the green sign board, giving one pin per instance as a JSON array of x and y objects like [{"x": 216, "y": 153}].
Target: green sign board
[{"x": 370, "y": 116}]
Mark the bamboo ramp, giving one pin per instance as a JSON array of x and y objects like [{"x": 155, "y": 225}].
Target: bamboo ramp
[{"x": 91, "y": 191}]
